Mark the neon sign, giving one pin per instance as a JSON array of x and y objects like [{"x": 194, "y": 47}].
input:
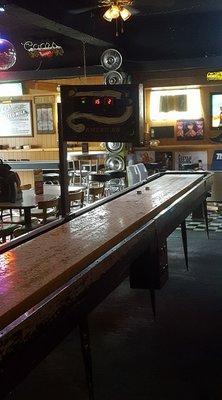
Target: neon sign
[{"x": 43, "y": 50}]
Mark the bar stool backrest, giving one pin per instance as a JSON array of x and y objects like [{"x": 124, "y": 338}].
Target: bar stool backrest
[
  {"x": 44, "y": 205},
  {"x": 133, "y": 175},
  {"x": 75, "y": 196},
  {"x": 143, "y": 173},
  {"x": 96, "y": 192}
]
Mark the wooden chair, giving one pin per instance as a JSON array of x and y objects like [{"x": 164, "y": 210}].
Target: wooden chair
[
  {"x": 19, "y": 219},
  {"x": 7, "y": 230},
  {"x": 47, "y": 211},
  {"x": 21, "y": 230},
  {"x": 96, "y": 192},
  {"x": 9, "y": 212},
  {"x": 76, "y": 199},
  {"x": 26, "y": 187},
  {"x": 9, "y": 218}
]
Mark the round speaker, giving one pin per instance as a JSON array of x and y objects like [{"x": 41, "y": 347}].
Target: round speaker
[
  {"x": 114, "y": 147},
  {"x": 111, "y": 59},
  {"x": 115, "y": 163},
  {"x": 113, "y": 78}
]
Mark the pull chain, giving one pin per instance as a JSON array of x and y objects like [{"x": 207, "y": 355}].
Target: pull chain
[
  {"x": 117, "y": 32},
  {"x": 84, "y": 60},
  {"x": 122, "y": 30}
]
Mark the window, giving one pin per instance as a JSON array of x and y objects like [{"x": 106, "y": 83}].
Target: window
[{"x": 175, "y": 104}]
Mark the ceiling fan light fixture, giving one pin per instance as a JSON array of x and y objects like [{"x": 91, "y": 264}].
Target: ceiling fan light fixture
[
  {"x": 125, "y": 14},
  {"x": 108, "y": 15},
  {"x": 112, "y": 13}
]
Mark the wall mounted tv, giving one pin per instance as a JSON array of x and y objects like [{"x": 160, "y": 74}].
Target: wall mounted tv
[{"x": 102, "y": 113}]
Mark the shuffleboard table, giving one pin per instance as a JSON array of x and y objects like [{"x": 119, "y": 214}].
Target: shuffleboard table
[{"x": 53, "y": 281}]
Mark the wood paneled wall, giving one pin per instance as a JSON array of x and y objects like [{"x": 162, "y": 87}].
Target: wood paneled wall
[
  {"x": 37, "y": 140},
  {"x": 45, "y": 145},
  {"x": 45, "y": 92}
]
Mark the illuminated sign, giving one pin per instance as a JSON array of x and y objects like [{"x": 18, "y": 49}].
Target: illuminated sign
[
  {"x": 43, "y": 50},
  {"x": 214, "y": 76}
]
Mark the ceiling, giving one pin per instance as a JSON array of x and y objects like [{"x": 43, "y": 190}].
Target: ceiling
[{"x": 158, "y": 31}]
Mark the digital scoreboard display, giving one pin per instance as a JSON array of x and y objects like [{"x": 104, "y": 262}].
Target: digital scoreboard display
[{"x": 102, "y": 113}]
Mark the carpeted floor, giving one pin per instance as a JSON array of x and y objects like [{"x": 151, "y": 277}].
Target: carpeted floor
[{"x": 176, "y": 357}]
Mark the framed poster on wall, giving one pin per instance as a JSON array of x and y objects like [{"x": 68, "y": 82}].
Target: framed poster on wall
[
  {"x": 189, "y": 129},
  {"x": 216, "y": 110},
  {"x": 190, "y": 157},
  {"x": 16, "y": 119},
  {"x": 44, "y": 118}
]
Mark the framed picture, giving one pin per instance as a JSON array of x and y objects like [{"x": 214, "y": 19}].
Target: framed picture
[
  {"x": 189, "y": 129},
  {"x": 15, "y": 119},
  {"x": 216, "y": 110},
  {"x": 45, "y": 118}
]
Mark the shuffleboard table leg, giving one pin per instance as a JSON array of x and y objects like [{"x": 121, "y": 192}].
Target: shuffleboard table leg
[
  {"x": 204, "y": 205},
  {"x": 184, "y": 238},
  {"x": 153, "y": 302},
  {"x": 86, "y": 352}
]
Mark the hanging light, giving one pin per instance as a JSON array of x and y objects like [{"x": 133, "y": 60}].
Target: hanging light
[
  {"x": 108, "y": 15},
  {"x": 115, "y": 11},
  {"x": 112, "y": 13},
  {"x": 7, "y": 55},
  {"x": 125, "y": 14}
]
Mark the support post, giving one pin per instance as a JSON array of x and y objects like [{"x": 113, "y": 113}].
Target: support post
[
  {"x": 184, "y": 238},
  {"x": 86, "y": 353},
  {"x": 204, "y": 206},
  {"x": 63, "y": 167}
]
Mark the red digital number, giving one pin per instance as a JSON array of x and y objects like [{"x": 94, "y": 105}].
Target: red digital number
[
  {"x": 108, "y": 101},
  {"x": 97, "y": 102}
]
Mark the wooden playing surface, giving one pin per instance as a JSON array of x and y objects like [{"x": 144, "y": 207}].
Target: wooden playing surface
[{"x": 33, "y": 270}]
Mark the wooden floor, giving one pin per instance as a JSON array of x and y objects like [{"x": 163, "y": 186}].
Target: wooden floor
[{"x": 33, "y": 270}]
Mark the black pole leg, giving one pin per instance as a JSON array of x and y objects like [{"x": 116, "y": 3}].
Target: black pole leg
[
  {"x": 184, "y": 237},
  {"x": 153, "y": 302},
  {"x": 86, "y": 352},
  {"x": 204, "y": 205}
]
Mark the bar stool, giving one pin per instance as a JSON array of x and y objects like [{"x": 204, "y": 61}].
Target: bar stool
[
  {"x": 99, "y": 180},
  {"x": 51, "y": 178},
  {"x": 82, "y": 167}
]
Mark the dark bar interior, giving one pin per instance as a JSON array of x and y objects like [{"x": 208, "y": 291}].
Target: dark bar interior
[{"x": 110, "y": 200}]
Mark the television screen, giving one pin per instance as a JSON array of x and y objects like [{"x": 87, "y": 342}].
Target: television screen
[
  {"x": 216, "y": 110},
  {"x": 161, "y": 132},
  {"x": 102, "y": 113}
]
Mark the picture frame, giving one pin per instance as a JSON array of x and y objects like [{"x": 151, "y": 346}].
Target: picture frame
[
  {"x": 190, "y": 129},
  {"x": 16, "y": 118},
  {"x": 216, "y": 110},
  {"x": 45, "y": 123}
]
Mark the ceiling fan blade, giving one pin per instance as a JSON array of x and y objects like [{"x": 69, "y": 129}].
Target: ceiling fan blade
[
  {"x": 132, "y": 10},
  {"x": 76, "y": 11},
  {"x": 152, "y": 5}
]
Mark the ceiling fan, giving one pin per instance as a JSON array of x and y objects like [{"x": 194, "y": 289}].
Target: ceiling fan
[
  {"x": 143, "y": 7},
  {"x": 116, "y": 8}
]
